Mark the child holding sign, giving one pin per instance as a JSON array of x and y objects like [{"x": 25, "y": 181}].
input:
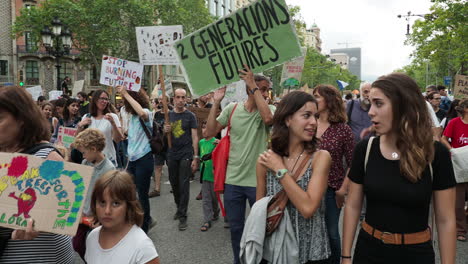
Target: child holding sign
[{"x": 119, "y": 239}]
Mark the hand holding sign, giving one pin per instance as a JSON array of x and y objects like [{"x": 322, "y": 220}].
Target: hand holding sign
[
  {"x": 247, "y": 75},
  {"x": 28, "y": 234},
  {"x": 219, "y": 94}
]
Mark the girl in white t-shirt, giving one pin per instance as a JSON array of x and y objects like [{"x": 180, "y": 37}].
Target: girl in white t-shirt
[{"x": 119, "y": 239}]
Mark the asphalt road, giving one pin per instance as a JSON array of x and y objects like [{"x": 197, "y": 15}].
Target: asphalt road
[{"x": 195, "y": 247}]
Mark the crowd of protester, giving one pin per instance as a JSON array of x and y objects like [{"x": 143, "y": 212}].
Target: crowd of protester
[{"x": 315, "y": 153}]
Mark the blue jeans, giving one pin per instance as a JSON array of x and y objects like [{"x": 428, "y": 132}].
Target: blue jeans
[
  {"x": 234, "y": 202},
  {"x": 142, "y": 169},
  {"x": 332, "y": 217}
]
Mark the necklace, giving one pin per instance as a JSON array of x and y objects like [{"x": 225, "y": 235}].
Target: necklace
[
  {"x": 395, "y": 155},
  {"x": 297, "y": 159}
]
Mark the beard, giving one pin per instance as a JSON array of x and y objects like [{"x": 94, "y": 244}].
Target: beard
[{"x": 365, "y": 104}]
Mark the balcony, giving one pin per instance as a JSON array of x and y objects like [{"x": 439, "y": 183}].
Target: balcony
[{"x": 25, "y": 51}]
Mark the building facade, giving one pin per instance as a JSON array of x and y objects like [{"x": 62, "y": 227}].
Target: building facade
[
  {"x": 312, "y": 37},
  {"x": 354, "y": 54}
]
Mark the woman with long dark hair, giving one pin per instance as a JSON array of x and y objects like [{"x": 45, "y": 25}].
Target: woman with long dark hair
[
  {"x": 70, "y": 116},
  {"x": 102, "y": 117},
  {"x": 337, "y": 138},
  {"x": 294, "y": 140},
  {"x": 399, "y": 172}
]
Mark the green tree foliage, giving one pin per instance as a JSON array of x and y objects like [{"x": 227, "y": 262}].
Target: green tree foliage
[
  {"x": 108, "y": 26},
  {"x": 441, "y": 42}
]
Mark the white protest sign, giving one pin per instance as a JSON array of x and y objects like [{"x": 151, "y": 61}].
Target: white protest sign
[
  {"x": 54, "y": 95},
  {"x": 155, "y": 44},
  {"x": 77, "y": 87},
  {"x": 235, "y": 92},
  {"x": 115, "y": 71},
  {"x": 35, "y": 91}
]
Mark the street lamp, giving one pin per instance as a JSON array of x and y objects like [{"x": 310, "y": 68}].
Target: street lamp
[
  {"x": 57, "y": 42},
  {"x": 407, "y": 18}
]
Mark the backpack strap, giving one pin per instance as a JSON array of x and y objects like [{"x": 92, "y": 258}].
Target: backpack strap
[
  {"x": 369, "y": 146},
  {"x": 36, "y": 148},
  {"x": 148, "y": 135},
  {"x": 350, "y": 110}
]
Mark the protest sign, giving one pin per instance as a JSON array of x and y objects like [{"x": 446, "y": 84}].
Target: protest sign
[
  {"x": 35, "y": 92},
  {"x": 155, "y": 44},
  {"x": 50, "y": 192},
  {"x": 115, "y": 71},
  {"x": 54, "y": 95},
  {"x": 292, "y": 70},
  {"x": 77, "y": 87},
  {"x": 460, "y": 87},
  {"x": 235, "y": 92},
  {"x": 66, "y": 136},
  {"x": 260, "y": 35}
]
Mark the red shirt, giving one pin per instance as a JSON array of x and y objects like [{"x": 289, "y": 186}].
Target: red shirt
[
  {"x": 338, "y": 140},
  {"x": 457, "y": 131}
]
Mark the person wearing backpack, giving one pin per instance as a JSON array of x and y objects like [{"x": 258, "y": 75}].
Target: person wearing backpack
[
  {"x": 358, "y": 117},
  {"x": 399, "y": 173}
]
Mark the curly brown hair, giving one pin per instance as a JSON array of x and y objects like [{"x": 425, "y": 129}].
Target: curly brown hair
[
  {"x": 141, "y": 97},
  {"x": 410, "y": 117},
  {"x": 335, "y": 106},
  {"x": 121, "y": 187},
  {"x": 90, "y": 138},
  {"x": 289, "y": 105}
]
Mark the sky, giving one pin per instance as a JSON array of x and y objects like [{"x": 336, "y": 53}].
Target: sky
[{"x": 372, "y": 25}]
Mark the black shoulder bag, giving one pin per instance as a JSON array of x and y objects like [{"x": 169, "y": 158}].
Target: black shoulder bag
[{"x": 156, "y": 143}]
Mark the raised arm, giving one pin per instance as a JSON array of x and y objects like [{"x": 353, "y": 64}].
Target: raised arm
[
  {"x": 136, "y": 106},
  {"x": 213, "y": 127}
]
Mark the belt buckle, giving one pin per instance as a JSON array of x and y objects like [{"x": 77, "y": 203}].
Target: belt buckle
[{"x": 382, "y": 236}]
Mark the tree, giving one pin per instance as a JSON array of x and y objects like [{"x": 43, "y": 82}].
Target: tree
[
  {"x": 108, "y": 26},
  {"x": 441, "y": 42}
]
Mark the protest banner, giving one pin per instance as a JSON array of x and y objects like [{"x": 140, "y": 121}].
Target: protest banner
[
  {"x": 77, "y": 87},
  {"x": 115, "y": 71},
  {"x": 460, "y": 87},
  {"x": 48, "y": 191},
  {"x": 35, "y": 92},
  {"x": 66, "y": 136},
  {"x": 155, "y": 44},
  {"x": 54, "y": 95},
  {"x": 260, "y": 35},
  {"x": 292, "y": 70}
]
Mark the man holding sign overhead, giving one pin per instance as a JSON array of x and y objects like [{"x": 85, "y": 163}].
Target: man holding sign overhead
[{"x": 250, "y": 125}]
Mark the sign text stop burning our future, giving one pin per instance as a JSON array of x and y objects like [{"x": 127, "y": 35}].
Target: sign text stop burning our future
[{"x": 260, "y": 35}]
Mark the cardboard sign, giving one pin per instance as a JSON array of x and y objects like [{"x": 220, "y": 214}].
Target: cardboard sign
[
  {"x": 155, "y": 44},
  {"x": 35, "y": 91},
  {"x": 460, "y": 87},
  {"x": 54, "y": 95},
  {"x": 77, "y": 87},
  {"x": 292, "y": 70},
  {"x": 50, "y": 192},
  {"x": 115, "y": 71},
  {"x": 66, "y": 136},
  {"x": 260, "y": 35},
  {"x": 235, "y": 93}
]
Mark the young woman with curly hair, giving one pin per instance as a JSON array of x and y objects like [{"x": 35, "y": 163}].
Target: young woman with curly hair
[{"x": 402, "y": 170}]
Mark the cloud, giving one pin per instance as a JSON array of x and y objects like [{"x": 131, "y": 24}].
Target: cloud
[{"x": 369, "y": 24}]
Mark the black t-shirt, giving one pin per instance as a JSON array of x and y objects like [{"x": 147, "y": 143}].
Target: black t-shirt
[
  {"x": 394, "y": 204},
  {"x": 441, "y": 114},
  {"x": 182, "y": 124}
]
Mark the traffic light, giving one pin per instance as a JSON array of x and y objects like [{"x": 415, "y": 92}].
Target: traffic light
[{"x": 21, "y": 82}]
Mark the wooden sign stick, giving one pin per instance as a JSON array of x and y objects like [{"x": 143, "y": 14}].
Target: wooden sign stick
[{"x": 165, "y": 108}]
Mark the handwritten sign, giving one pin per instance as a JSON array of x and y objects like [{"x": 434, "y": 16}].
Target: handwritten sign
[
  {"x": 460, "y": 87},
  {"x": 115, "y": 71},
  {"x": 235, "y": 93},
  {"x": 66, "y": 136},
  {"x": 293, "y": 69},
  {"x": 35, "y": 91},
  {"x": 54, "y": 95},
  {"x": 50, "y": 192},
  {"x": 155, "y": 44},
  {"x": 260, "y": 35},
  {"x": 77, "y": 87}
]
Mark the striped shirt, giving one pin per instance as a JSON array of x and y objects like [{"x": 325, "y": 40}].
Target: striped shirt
[{"x": 46, "y": 248}]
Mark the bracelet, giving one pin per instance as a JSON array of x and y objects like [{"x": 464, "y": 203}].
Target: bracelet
[
  {"x": 346, "y": 257},
  {"x": 196, "y": 157}
]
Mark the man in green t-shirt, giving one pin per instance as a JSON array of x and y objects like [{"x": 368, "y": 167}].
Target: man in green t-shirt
[{"x": 250, "y": 125}]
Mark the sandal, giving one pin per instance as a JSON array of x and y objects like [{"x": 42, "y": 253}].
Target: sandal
[
  {"x": 461, "y": 238},
  {"x": 205, "y": 226}
]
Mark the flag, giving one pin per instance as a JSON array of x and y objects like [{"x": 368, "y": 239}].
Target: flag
[{"x": 341, "y": 84}]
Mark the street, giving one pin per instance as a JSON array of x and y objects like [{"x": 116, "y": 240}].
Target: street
[{"x": 195, "y": 247}]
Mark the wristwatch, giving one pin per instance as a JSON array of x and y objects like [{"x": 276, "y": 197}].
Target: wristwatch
[
  {"x": 254, "y": 90},
  {"x": 280, "y": 173}
]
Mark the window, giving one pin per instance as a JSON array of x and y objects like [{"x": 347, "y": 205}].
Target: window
[
  {"x": 66, "y": 69},
  {"x": 29, "y": 41},
  {"x": 3, "y": 67},
  {"x": 32, "y": 72}
]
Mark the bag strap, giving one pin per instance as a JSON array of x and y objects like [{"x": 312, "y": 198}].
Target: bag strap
[
  {"x": 148, "y": 135},
  {"x": 230, "y": 117},
  {"x": 350, "y": 110},
  {"x": 301, "y": 167},
  {"x": 369, "y": 146}
]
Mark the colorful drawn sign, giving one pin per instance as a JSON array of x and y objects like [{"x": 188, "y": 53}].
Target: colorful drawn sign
[
  {"x": 460, "y": 87},
  {"x": 50, "y": 192},
  {"x": 115, "y": 71},
  {"x": 155, "y": 44},
  {"x": 260, "y": 35},
  {"x": 54, "y": 95},
  {"x": 293, "y": 70},
  {"x": 66, "y": 136},
  {"x": 35, "y": 91}
]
